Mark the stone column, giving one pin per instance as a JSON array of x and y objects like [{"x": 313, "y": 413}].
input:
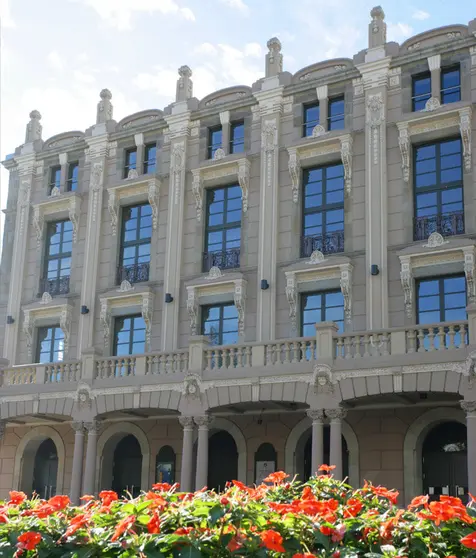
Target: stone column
[
  {"x": 225, "y": 131},
  {"x": 203, "y": 424},
  {"x": 187, "y": 454},
  {"x": 434, "y": 63},
  {"x": 336, "y": 416},
  {"x": 89, "y": 482},
  {"x": 139, "y": 141},
  {"x": 77, "y": 471},
  {"x": 469, "y": 407},
  {"x": 63, "y": 159},
  {"x": 322, "y": 95},
  {"x": 317, "y": 456}
]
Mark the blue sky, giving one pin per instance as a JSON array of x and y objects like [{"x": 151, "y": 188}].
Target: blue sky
[{"x": 57, "y": 55}]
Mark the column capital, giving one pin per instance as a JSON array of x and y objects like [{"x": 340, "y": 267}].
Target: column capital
[
  {"x": 78, "y": 426},
  {"x": 93, "y": 427},
  {"x": 316, "y": 415},
  {"x": 336, "y": 414},
  {"x": 469, "y": 407},
  {"x": 204, "y": 421},
  {"x": 434, "y": 62},
  {"x": 186, "y": 422}
]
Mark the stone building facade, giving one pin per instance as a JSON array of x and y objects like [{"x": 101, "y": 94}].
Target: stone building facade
[{"x": 271, "y": 277}]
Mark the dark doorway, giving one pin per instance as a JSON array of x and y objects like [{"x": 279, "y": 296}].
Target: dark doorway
[
  {"x": 127, "y": 467},
  {"x": 444, "y": 461},
  {"x": 45, "y": 471},
  {"x": 165, "y": 465},
  {"x": 265, "y": 462},
  {"x": 327, "y": 450},
  {"x": 222, "y": 460}
]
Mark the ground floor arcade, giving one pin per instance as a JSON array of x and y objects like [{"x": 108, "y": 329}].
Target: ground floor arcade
[{"x": 422, "y": 446}]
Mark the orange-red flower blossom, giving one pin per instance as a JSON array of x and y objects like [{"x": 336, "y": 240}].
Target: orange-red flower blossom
[
  {"x": 276, "y": 478},
  {"x": 326, "y": 468},
  {"x": 153, "y": 526},
  {"x": 17, "y": 498},
  {"x": 108, "y": 497},
  {"x": 123, "y": 526},
  {"x": 59, "y": 502},
  {"x": 29, "y": 540},
  {"x": 272, "y": 540},
  {"x": 469, "y": 541}
]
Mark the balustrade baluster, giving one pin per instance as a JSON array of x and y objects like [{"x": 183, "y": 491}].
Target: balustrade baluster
[
  {"x": 441, "y": 339},
  {"x": 411, "y": 341},
  {"x": 385, "y": 344},
  {"x": 347, "y": 348},
  {"x": 431, "y": 339},
  {"x": 268, "y": 355},
  {"x": 421, "y": 341},
  {"x": 248, "y": 356},
  {"x": 451, "y": 337},
  {"x": 340, "y": 345},
  {"x": 462, "y": 335}
]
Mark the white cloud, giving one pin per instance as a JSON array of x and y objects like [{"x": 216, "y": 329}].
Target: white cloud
[
  {"x": 253, "y": 49},
  {"x": 421, "y": 15},
  {"x": 237, "y": 5},
  {"x": 83, "y": 77},
  {"x": 206, "y": 48},
  {"x": 118, "y": 13},
  {"x": 82, "y": 57},
  {"x": 55, "y": 60},
  {"x": 6, "y": 19},
  {"x": 399, "y": 31}
]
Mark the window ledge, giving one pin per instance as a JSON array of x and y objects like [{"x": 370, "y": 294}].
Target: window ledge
[
  {"x": 43, "y": 313},
  {"x": 311, "y": 150},
  {"x": 213, "y": 172},
  {"x": 424, "y": 260},
  {"x": 319, "y": 273},
  {"x": 65, "y": 205},
  {"x": 136, "y": 188},
  {"x": 454, "y": 117},
  {"x": 214, "y": 288},
  {"x": 125, "y": 299}
]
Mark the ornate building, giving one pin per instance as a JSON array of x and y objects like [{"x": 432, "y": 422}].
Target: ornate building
[{"x": 271, "y": 277}]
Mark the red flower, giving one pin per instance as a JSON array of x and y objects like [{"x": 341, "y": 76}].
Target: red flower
[
  {"x": 353, "y": 507},
  {"x": 272, "y": 540},
  {"x": 17, "y": 498},
  {"x": 418, "y": 501},
  {"x": 3, "y": 518},
  {"x": 391, "y": 495},
  {"x": 59, "y": 502},
  {"x": 469, "y": 541},
  {"x": 306, "y": 555},
  {"x": 154, "y": 524},
  {"x": 44, "y": 510},
  {"x": 162, "y": 486},
  {"x": 76, "y": 523},
  {"x": 276, "y": 478},
  {"x": 183, "y": 531},
  {"x": 29, "y": 540},
  {"x": 326, "y": 468},
  {"x": 108, "y": 497},
  {"x": 325, "y": 530},
  {"x": 123, "y": 527},
  {"x": 87, "y": 497}
]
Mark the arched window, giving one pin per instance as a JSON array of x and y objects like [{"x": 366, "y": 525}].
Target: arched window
[
  {"x": 46, "y": 469},
  {"x": 265, "y": 462},
  {"x": 126, "y": 471},
  {"x": 165, "y": 465}
]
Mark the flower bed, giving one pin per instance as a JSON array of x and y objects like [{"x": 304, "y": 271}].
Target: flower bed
[{"x": 321, "y": 518}]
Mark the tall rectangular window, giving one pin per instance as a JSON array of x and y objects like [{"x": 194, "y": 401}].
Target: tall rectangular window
[
  {"x": 223, "y": 228},
  {"x": 50, "y": 344},
  {"x": 150, "y": 159},
  {"x": 136, "y": 234},
  {"x": 323, "y": 210},
  {"x": 214, "y": 140},
  {"x": 237, "y": 137},
  {"x": 130, "y": 162},
  {"x": 220, "y": 324},
  {"x": 311, "y": 116},
  {"x": 129, "y": 335},
  {"x": 450, "y": 85},
  {"x": 325, "y": 306},
  {"x": 72, "y": 182},
  {"x": 55, "y": 179},
  {"x": 421, "y": 91},
  {"x": 59, "y": 246},
  {"x": 336, "y": 118},
  {"x": 438, "y": 179}
]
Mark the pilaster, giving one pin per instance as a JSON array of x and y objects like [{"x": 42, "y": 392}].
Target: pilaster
[{"x": 270, "y": 107}]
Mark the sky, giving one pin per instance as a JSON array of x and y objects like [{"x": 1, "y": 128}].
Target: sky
[{"x": 56, "y": 55}]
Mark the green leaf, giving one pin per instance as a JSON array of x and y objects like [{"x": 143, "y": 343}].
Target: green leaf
[
  {"x": 188, "y": 552},
  {"x": 216, "y": 513},
  {"x": 321, "y": 539}
]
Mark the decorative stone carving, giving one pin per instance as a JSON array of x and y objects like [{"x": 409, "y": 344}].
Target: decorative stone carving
[
  {"x": 95, "y": 185},
  {"x": 346, "y": 288},
  {"x": 274, "y": 58},
  {"x": 318, "y": 131},
  {"x": 294, "y": 166},
  {"x": 269, "y": 136},
  {"x": 214, "y": 273},
  {"x": 192, "y": 308},
  {"x": 104, "y": 109},
  {"x": 292, "y": 296},
  {"x": 38, "y": 224},
  {"x": 33, "y": 128},
  {"x": 244, "y": 167},
  {"x": 358, "y": 87},
  {"x": 113, "y": 207},
  {"x": 377, "y": 28},
  {"x": 469, "y": 272},
  {"x": 184, "y": 89},
  {"x": 316, "y": 415},
  {"x": 55, "y": 192},
  {"x": 239, "y": 300},
  {"x": 187, "y": 423},
  {"x": 432, "y": 104},
  {"x": 177, "y": 167},
  {"x": 322, "y": 379},
  {"x": 394, "y": 77},
  {"x": 465, "y": 130},
  {"x": 105, "y": 319},
  {"x": 204, "y": 421},
  {"x": 469, "y": 407},
  {"x": 404, "y": 143},
  {"x": 317, "y": 257},
  {"x": 84, "y": 397},
  {"x": 146, "y": 312},
  {"x": 406, "y": 278},
  {"x": 192, "y": 386},
  {"x": 197, "y": 190},
  {"x": 153, "y": 198},
  {"x": 28, "y": 324},
  {"x": 24, "y": 202},
  {"x": 78, "y": 426},
  {"x": 336, "y": 414},
  {"x": 469, "y": 369},
  {"x": 219, "y": 154},
  {"x": 65, "y": 325},
  {"x": 375, "y": 118},
  {"x": 46, "y": 298},
  {"x": 132, "y": 174},
  {"x": 346, "y": 157},
  {"x": 93, "y": 427},
  {"x": 435, "y": 240},
  {"x": 124, "y": 287}
]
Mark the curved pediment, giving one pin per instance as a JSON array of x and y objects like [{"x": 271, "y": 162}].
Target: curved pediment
[
  {"x": 434, "y": 37},
  {"x": 64, "y": 140},
  {"x": 322, "y": 69},
  {"x": 227, "y": 95},
  {"x": 139, "y": 119}
]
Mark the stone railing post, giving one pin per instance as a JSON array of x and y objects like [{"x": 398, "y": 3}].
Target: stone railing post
[
  {"x": 398, "y": 342},
  {"x": 40, "y": 374},
  {"x": 141, "y": 362},
  {"x": 325, "y": 332},
  {"x": 197, "y": 346},
  {"x": 471, "y": 310},
  {"x": 4, "y": 364},
  {"x": 88, "y": 360}
]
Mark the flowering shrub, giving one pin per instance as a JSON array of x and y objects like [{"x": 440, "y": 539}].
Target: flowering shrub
[{"x": 320, "y": 518}]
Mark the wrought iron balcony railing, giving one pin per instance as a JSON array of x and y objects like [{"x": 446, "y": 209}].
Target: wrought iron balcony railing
[
  {"x": 447, "y": 224},
  {"x": 329, "y": 243},
  {"x": 137, "y": 273},
  {"x": 54, "y": 287},
  {"x": 224, "y": 259}
]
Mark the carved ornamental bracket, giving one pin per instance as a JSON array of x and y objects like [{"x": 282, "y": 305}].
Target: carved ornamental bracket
[
  {"x": 57, "y": 206},
  {"x": 43, "y": 311}
]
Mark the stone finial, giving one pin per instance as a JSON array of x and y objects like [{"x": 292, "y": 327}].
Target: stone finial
[
  {"x": 274, "y": 58},
  {"x": 33, "y": 128},
  {"x": 184, "y": 84},
  {"x": 377, "y": 28},
  {"x": 104, "y": 112}
]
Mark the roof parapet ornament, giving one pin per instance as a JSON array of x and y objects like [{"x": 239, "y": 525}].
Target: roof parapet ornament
[
  {"x": 274, "y": 58},
  {"x": 184, "y": 84},
  {"x": 377, "y": 28},
  {"x": 104, "y": 112},
  {"x": 33, "y": 128}
]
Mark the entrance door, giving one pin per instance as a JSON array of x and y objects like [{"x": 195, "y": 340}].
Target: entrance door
[
  {"x": 127, "y": 467},
  {"x": 445, "y": 465},
  {"x": 222, "y": 460},
  {"x": 46, "y": 469},
  {"x": 327, "y": 450}
]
